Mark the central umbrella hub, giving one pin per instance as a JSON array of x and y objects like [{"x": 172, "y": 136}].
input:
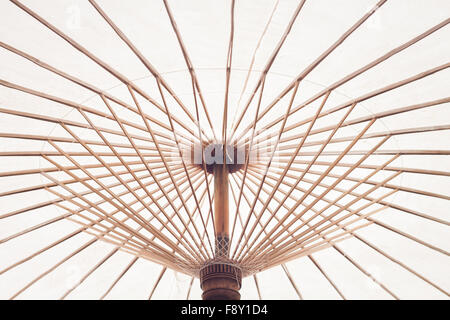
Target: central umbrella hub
[{"x": 218, "y": 154}]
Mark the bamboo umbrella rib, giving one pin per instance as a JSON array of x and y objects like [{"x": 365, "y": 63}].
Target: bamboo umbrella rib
[
  {"x": 380, "y": 115},
  {"x": 240, "y": 220},
  {"x": 322, "y": 271},
  {"x": 35, "y": 227},
  {"x": 28, "y": 208},
  {"x": 86, "y": 245},
  {"x": 388, "y": 185},
  {"x": 405, "y": 131},
  {"x": 195, "y": 85},
  {"x": 200, "y": 245},
  {"x": 127, "y": 268},
  {"x": 227, "y": 78},
  {"x": 392, "y": 205},
  {"x": 53, "y": 244},
  {"x": 106, "y": 175},
  {"x": 114, "y": 237},
  {"x": 354, "y": 74},
  {"x": 135, "y": 201},
  {"x": 356, "y": 264},
  {"x": 190, "y": 288},
  {"x": 255, "y": 182},
  {"x": 322, "y": 245},
  {"x": 269, "y": 64},
  {"x": 378, "y": 250},
  {"x": 379, "y": 223},
  {"x": 393, "y": 112},
  {"x": 143, "y": 59},
  {"x": 78, "y": 231},
  {"x": 46, "y": 203},
  {"x": 105, "y": 216},
  {"x": 157, "y": 282},
  {"x": 96, "y": 155},
  {"x": 169, "y": 116},
  {"x": 369, "y": 166},
  {"x": 126, "y": 246},
  {"x": 145, "y": 255},
  {"x": 325, "y": 244},
  {"x": 311, "y": 124},
  {"x": 353, "y": 261},
  {"x": 72, "y": 123},
  {"x": 245, "y": 197},
  {"x": 201, "y": 199},
  {"x": 298, "y": 238},
  {"x": 300, "y": 145},
  {"x": 376, "y": 62},
  {"x": 291, "y": 233},
  {"x": 120, "y": 276},
  {"x": 56, "y": 266},
  {"x": 291, "y": 280},
  {"x": 255, "y": 278},
  {"x": 359, "y": 267},
  {"x": 186, "y": 242},
  {"x": 271, "y": 158},
  {"x": 92, "y": 270},
  {"x": 370, "y": 95},
  {"x": 83, "y": 193},
  {"x": 98, "y": 61},
  {"x": 379, "y": 152},
  {"x": 129, "y": 212},
  {"x": 126, "y": 218},
  {"x": 69, "y": 168},
  {"x": 90, "y": 110},
  {"x": 304, "y": 204},
  {"x": 202, "y": 150},
  {"x": 250, "y": 69},
  {"x": 247, "y": 158},
  {"x": 344, "y": 152},
  {"x": 69, "y": 140},
  {"x": 78, "y": 154},
  {"x": 192, "y": 193},
  {"x": 389, "y": 227},
  {"x": 170, "y": 264},
  {"x": 409, "y": 236}
]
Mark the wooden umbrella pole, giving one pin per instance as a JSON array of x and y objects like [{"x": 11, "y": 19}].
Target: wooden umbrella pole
[
  {"x": 220, "y": 279},
  {"x": 221, "y": 209}
]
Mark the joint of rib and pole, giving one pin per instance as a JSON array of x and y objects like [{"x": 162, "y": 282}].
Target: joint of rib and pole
[
  {"x": 216, "y": 155},
  {"x": 220, "y": 278}
]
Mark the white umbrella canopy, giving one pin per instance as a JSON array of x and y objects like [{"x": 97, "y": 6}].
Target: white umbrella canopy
[{"x": 344, "y": 106}]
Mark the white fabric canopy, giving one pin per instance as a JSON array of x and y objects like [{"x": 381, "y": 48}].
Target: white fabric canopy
[{"x": 103, "y": 88}]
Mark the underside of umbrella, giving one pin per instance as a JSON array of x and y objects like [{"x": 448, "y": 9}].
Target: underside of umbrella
[{"x": 184, "y": 149}]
